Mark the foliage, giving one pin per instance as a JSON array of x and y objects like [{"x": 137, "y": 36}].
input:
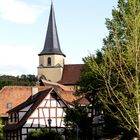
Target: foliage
[
  {"x": 1, "y": 130},
  {"x": 120, "y": 68},
  {"x": 24, "y": 80},
  {"x": 115, "y": 77},
  {"x": 44, "y": 134},
  {"x": 78, "y": 123}
]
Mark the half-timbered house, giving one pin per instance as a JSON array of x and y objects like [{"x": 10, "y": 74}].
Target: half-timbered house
[
  {"x": 45, "y": 109},
  {"x": 11, "y": 96}
]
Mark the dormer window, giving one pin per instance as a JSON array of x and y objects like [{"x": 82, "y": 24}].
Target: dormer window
[{"x": 49, "y": 61}]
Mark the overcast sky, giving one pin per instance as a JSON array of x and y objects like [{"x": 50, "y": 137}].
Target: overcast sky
[{"x": 23, "y": 24}]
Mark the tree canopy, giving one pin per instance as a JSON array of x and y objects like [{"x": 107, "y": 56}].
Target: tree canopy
[
  {"x": 78, "y": 123},
  {"x": 114, "y": 74},
  {"x": 24, "y": 80}
]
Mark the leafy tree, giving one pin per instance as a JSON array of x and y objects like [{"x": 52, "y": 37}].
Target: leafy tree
[
  {"x": 44, "y": 134},
  {"x": 78, "y": 123},
  {"x": 116, "y": 74},
  {"x": 90, "y": 85}
]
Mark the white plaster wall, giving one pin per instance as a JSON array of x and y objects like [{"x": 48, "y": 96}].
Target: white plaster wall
[
  {"x": 55, "y": 59},
  {"x": 34, "y": 114},
  {"x": 21, "y": 114},
  {"x": 46, "y": 112},
  {"x": 26, "y": 108},
  {"x": 28, "y": 123},
  {"x": 52, "y": 74}
]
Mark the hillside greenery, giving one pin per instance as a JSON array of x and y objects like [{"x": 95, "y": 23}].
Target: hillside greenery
[{"x": 23, "y": 80}]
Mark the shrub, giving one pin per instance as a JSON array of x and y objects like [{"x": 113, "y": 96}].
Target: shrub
[
  {"x": 1, "y": 129},
  {"x": 44, "y": 134}
]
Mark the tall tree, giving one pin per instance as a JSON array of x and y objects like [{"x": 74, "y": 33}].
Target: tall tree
[
  {"x": 115, "y": 72},
  {"x": 78, "y": 123},
  {"x": 119, "y": 71},
  {"x": 89, "y": 86}
]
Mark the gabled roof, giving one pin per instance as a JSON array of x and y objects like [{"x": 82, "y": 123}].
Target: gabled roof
[
  {"x": 50, "y": 83},
  {"x": 65, "y": 92},
  {"x": 14, "y": 95},
  {"x": 52, "y": 45},
  {"x": 71, "y": 74},
  {"x": 35, "y": 100},
  {"x": 82, "y": 101}
]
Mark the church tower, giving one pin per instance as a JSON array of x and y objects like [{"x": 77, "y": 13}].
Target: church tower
[{"x": 51, "y": 58}]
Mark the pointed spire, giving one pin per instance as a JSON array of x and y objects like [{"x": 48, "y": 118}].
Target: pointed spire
[{"x": 52, "y": 45}]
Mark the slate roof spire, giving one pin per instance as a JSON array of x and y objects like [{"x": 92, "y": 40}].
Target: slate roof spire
[{"x": 52, "y": 45}]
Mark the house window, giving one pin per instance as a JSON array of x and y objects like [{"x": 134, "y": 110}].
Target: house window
[
  {"x": 13, "y": 118},
  {"x": 9, "y": 105},
  {"x": 49, "y": 61}
]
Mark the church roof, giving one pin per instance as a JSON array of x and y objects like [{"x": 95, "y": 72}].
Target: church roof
[
  {"x": 52, "y": 45},
  {"x": 71, "y": 74}
]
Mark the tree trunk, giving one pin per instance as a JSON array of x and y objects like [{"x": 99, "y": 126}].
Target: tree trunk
[{"x": 138, "y": 134}]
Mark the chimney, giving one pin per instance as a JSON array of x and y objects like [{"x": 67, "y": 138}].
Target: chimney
[{"x": 34, "y": 90}]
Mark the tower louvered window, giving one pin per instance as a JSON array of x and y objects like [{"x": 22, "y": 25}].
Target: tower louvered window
[{"x": 49, "y": 61}]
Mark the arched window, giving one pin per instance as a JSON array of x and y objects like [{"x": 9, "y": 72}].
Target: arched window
[{"x": 49, "y": 61}]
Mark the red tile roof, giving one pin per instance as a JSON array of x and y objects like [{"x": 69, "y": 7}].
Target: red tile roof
[
  {"x": 67, "y": 97},
  {"x": 71, "y": 74},
  {"x": 38, "y": 97},
  {"x": 49, "y": 83},
  {"x": 83, "y": 101},
  {"x": 67, "y": 93},
  {"x": 14, "y": 95},
  {"x": 36, "y": 100}
]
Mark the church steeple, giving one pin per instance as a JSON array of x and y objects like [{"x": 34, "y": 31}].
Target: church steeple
[
  {"x": 51, "y": 58},
  {"x": 52, "y": 45}
]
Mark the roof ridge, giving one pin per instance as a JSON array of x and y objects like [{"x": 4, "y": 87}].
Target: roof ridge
[
  {"x": 74, "y": 64},
  {"x": 8, "y": 87}
]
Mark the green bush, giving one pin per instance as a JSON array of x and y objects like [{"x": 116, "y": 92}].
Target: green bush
[
  {"x": 1, "y": 130},
  {"x": 44, "y": 134}
]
